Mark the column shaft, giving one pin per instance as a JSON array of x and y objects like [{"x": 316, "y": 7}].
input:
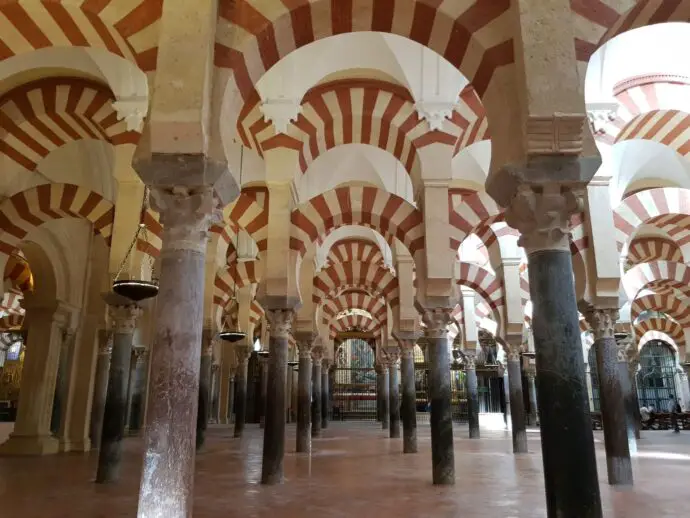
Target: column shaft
[
  {"x": 613, "y": 412},
  {"x": 304, "y": 404},
  {"x": 316, "y": 397},
  {"x": 240, "y": 396},
  {"x": 472, "y": 397},
  {"x": 231, "y": 400},
  {"x": 325, "y": 396},
  {"x": 385, "y": 398},
  {"x": 274, "y": 433},
  {"x": 517, "y": 406},
  {"x": 409, "y": 403},
  {"x": 379, "y": 393},
  {"x": 394, "y": 401},
  {"x": 533, "y": 409},
  {"x": 562, "y": 390},
  {"x": 442, "y": 454},
  {"x": 100, "y": 388},
  {"x": 204, "y": 404},
  {"x": 110, "y": 452},
  {"x": 263, "y": 401}
]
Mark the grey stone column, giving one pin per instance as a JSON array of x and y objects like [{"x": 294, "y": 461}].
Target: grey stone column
[
  {"x": 541, "y": 210},
  {"x": 137, "y": 390},
  {"x": 517, "y": 404},
  {"x": 634, "y": 409},
  {"x": 231, "y": 398},
  {"x": 472, "y": 393},
  {"x": 288, "y": 394},
  {"x": 317, "y": 357},
  {"x": 612, "y": 395},
  {"x": 62, "y": 382},
  {"x": 274, "y": 435},
  {"x": 409, "y": 393},
  {"x": 325, "y": 392},
  {"x": 105, "y": 347},
  {"x": 385, "y": 396},
  {"x": 186, "y": 213},
  {"x": 204, "y": 405},
  {"x": 263, "y": 362},
  {"x": 123, "y": 318},
  {"x": 304, "y": 343},
  {"x": 442, "y": 453},
  {"x": 379, "y": 391},
  {"x": 533, "y": 408},
  {"x": 393, "y": 354},
  {"x": 243, "y": 353},
  {"x": 623, "y": 348},
  {"x": 214, "y": 416}
]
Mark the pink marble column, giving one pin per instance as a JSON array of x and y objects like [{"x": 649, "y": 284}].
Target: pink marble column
[{"x": 168, "y": 473}]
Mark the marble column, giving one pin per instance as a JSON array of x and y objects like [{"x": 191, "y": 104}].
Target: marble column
[
  {"x": 394, "y": 391},
  {"x": 280, "y": 321},
  {"x": 62, "y": 381},
  {"x": 385, "y": 396},
  {"x": 186, "y": 213},
  {"x": 472, "y": 393},
  {"x": 288, "y": 394},
  {"x": 542, "y": 214},
  {"x": 214, "y": 416},
  {"x": 623, "y": 347},
  {"x": 243, "y": 353},
  {"x": 231, "y": 400},
  {"x": 517, "y": 404},
  {"x": 442, "y": 453},
  {"x": 263, "y": 363},
  {"x": 532, "y": 387},
  {"x": 633, "y": 366},
  {"x": 325, "y": 392},
  {"x": 304, "y": 343},
  {"x": 137, "y": 390},
  {"x": 317, "y": 357},
  {"x": 611, "y": 395},
  {"x": 123, "y": 318},
  {"x": 379, "y": 391},
  {"x": 409, "y": 393},
  {"x": 105, "y": 347},
  {"x": 204, "y": 396}
]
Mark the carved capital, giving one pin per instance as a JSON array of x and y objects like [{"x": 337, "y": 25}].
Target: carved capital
[
  {"x": 123, "y": 319},
  {"x": 602, "y": 321},
  {"x": 435, "y": 112},
  {"x": 470, "y": 362},
  {"x": 243, "y": 352},
  {"x": 317, "y": 354},
  {"x": 436, "y": 321},
  {"x": 281, "y": 112},
  {"x": 406, "y": 341},
  {"x": 139, "y": 354},
  {"x": 625, "y": 349},
  {"x": 132, "y": 110},
  {"x": 280, "y": 322},
  {"x": 186, "y": 214},
  {"x": 559, "y": 133},
  {"x": 512, "y": 352},
  {"x": 542, "y": 215},
  {"x": 392, "y": 355},
  {"x": 326, "y": 363},
  {"x": 305, "y": 342}
]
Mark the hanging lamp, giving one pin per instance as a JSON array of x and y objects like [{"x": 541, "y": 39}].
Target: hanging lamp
[
  {"x": 235, "y": 335},
  {"x": 134, "y": 289}
]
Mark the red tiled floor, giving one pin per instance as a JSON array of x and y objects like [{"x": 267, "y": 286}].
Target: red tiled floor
[{"x": 355, "y": 471}]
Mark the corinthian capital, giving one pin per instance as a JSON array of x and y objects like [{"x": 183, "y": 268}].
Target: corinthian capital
[
  {"x": 603, "y": 321},
  {"x": 124, "y": 318},
  {"x": 305, "y": 342},
  {"x": 542, "y": 215},
  {"x": 280, "y": 322},
  {"x": 436, "y": 321}
]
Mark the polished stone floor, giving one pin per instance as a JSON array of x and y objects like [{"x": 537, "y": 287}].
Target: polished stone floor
[{"x": 354, "y": 472}]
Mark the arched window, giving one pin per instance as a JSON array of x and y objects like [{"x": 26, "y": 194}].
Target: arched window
[
  {"x": 656, "y": 379},
  {"x": 594, "y": 379}
]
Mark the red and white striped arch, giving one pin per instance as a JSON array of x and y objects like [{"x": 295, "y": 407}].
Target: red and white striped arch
[
  {"x": 18, "y": 273},
  {"x": 235, "y": 275},
  {"x": 476, "y": 128},
  {"x": 370, "y": 207},
  {"x": 656, "y": 275},
  {"x": 354, "y": 249},
  {"x": 661, "y": 325},
  {"x": 667, "y": 127},
  {"x": 252, "y": 36},
  {"x": 666, "y": 208},
  {"x": 39, "y": 117},
  {"x": 29, "y": 209},
  {"x": 467, "y": 211},
  {"x": 256, "y": 313},
  {"x": 652, "y": 248},
  {"x": 11, "y": 302},
  {"x": 125, "y": 28},
  {"x": 353, "y": 300},
  {"x": 352, "y": 112},
  {"x": 675, "y": 307},
  {"x": 376, "y": 280},
  {"x": 353, "y": 322},
  {"x": 657, "y": 335},
  {"x": 250, "y": 212},
  {"x": 483, "y": 282},
  {"x": 152, "y": 244}
]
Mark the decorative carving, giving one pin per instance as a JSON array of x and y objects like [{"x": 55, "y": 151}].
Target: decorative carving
[
  {"x": 601, "y": 114},
  {"x": 280, "y": 112},
  {"x": 603, "y": 321},
  {"x": 305, "y": 342},
  {"x": 436, "y": 321},
  {"x": 435, "y": 112},
  {"x": 317, "y": 353},
  {"x": 123, "y": 319},
  {"x": 242, "y": 352},
  {"x": 326, "y": 363},
  {"x": 391, "y": 355},
  {"x": 513, "y": 352},
  {"x": 542, "y": 215},
  {"x": 186, "y": 215},
  {"x": 557, "y": 134},
  {"x": 280, "y": 322},
  {"x": 625, "y": 349},
  {"x": 133, "y": 111},
  {"x": 470, "y": 362}
]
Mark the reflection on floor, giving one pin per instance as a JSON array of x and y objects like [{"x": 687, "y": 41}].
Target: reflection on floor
[{"x": 355, "y": 471}]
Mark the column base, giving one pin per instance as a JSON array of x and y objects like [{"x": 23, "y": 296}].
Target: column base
[
  {"x": 30, "y": 445},
  {"x": 82, "y": 445}
]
